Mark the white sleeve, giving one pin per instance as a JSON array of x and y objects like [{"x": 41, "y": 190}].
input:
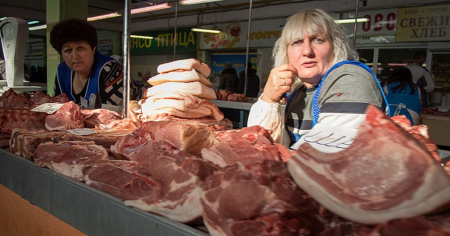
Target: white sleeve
[{"x": 267, "y": 115}]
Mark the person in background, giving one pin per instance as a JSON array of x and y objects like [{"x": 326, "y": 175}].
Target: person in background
[
  {"x": 252, "y": 82},
  {"x": 228, "y": 78},
  {"x": 87, "y": 77},
  {"x": 312, "y": 71},
  {"x": 403, "y": 95},
  {"x": 421, "y": 77}
]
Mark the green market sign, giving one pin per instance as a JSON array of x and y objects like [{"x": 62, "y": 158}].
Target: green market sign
[{"x": 163, "y": 41}]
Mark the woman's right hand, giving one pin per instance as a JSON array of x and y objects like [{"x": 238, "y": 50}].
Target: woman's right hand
[{"x": 279, "y": 83}]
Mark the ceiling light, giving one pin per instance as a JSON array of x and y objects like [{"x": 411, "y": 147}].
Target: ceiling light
[
  {"x": 2, "y": 18},
  {"x": 344, "y": 21},
  {"x": 141, "y": 36},
  {"x": 150, "y": 8},
  {"x": 39, "y": 27},
  {"x": 33, "y": 22},
  {"x": 105, "y": 16},
  {"x": 205, "y": 30},
  {"x": 191, "y": 2}
]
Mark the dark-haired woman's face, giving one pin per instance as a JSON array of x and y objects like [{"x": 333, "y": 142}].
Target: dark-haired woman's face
[{"x": 79, "y": 56}]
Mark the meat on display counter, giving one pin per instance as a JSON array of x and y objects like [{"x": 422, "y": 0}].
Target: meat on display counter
[{"x": 87, "y": 209}]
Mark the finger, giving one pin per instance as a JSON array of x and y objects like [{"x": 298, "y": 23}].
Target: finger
[{"x": 287, "y": 67}]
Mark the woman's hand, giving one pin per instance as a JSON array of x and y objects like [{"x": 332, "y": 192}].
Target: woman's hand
[{"x": 279, "y": 82}]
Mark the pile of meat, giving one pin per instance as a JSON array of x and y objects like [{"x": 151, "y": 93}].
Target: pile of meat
[
  {"x": 28, "y": 121},
  {"x": 181, "y": 89},
  {"x": 227, "y": 95},
  {"x": 183, "y": 161}
]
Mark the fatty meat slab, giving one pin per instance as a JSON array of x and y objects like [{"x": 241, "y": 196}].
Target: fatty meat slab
[
  {"x": 384, "y": 174},
  {"x": 112, "y": 176},
  {"x": 259, "y": 200},
  {"x": 187, "y": 136},
  {"x": 191, "y": 106},
  {"x": 247, "y": 145},
  {"x": 180, "y": 76},
  {"x": 173, "y": 187},
  {"x": 185, "y": 64},
  {"x": 69, "y": 158}
]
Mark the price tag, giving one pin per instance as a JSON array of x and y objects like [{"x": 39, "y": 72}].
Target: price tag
[
  {"x": 49, "y": 108},
  {"x": 81, "y": 132}
]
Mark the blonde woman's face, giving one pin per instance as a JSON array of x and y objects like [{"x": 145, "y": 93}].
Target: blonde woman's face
[{"x": 312, "y": 56}]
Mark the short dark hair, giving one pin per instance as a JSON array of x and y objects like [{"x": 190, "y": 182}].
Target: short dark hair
[
  {"x": 419, "y": 55},
  {"x": 72, "y": 30}
]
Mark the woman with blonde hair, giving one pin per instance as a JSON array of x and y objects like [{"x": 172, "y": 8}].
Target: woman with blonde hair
[{"x": 317, "y": 75}]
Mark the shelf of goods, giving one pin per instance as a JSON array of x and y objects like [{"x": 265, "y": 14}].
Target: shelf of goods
[{"x": 87, "y": 209}]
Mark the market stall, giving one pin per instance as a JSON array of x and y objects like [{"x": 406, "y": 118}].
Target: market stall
[{"x": 89, "y": 210}]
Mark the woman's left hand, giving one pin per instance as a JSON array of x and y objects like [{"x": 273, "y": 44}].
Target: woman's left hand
[{"x": 279, "y": 83}]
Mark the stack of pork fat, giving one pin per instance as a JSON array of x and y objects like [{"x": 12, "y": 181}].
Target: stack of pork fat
[{"x": 181, "y": 89}]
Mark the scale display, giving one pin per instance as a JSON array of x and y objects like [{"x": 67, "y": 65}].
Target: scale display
[{"x": 14, "y": 37}]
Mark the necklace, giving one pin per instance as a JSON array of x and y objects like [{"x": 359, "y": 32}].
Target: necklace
[{"x": 78, "y": 78}]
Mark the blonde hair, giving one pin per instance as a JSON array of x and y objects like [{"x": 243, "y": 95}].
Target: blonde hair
[{"x": 313, "y": 22}]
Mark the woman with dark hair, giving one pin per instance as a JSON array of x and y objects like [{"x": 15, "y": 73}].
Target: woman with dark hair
[
  {"x": 403, "y": 95},
  {"x": 87, "y": 77}
]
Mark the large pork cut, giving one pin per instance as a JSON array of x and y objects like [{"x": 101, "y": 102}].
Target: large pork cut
[
  {"x": 258, "y": 199},
  {"x": 112, "y": 176},
  {"x": 69, "y": 158},
  {"x": 190, "y": 137},
  {"x": 175, "y": 185},
  {"x": 23, "y": 142},
  {"x": 69, "y": 116},
  {"x": 247, "y": 145},
  {"x": 384, "y": 174}
]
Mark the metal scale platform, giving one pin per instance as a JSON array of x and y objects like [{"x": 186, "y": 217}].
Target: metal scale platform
[{"x": 14, "y": 37}]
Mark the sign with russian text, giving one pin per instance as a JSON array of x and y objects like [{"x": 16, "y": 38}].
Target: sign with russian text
[
  {"x": 163, "y": 41},
  {"x": 423, "y": 24},
  {"x": 234, "y": 35},
  {"x": 105, "y": 42},
  {"x": 380, "y": 27}
]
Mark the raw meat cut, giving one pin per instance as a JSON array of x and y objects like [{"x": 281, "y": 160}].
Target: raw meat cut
[
  {"x": 181, "y": 76},
  {"x": 21, "y": 117},
  {"x": 194, "y": 88},
  {"x": 23, "y": 142},
  {"x": 69, "y": 158},
  {"x": 11, "y": 99},
  {"x": 246, "y": 145},
  {"x": 185, "y": 64},
  {"x": 384, "y": 174},
  {"x": 258, "y": 199},
  {"x": 420, "y": 132},
  {"x": 187, "y": 136},
  {"x": 69, "y": 116},
  {"x": 175, "y": 184},
  {"x": 189, "y": 105},
  {"x": 418, "y": 225},
  {"x": 111, "y": 176},
  {"x": 40, "y": 98},
  {"x": 96, "y": 117}
]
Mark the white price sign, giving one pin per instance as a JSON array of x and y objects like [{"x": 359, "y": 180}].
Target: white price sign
[
  {"x": 81, "y": 132},
  {"x": 48, "y": 108}
]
